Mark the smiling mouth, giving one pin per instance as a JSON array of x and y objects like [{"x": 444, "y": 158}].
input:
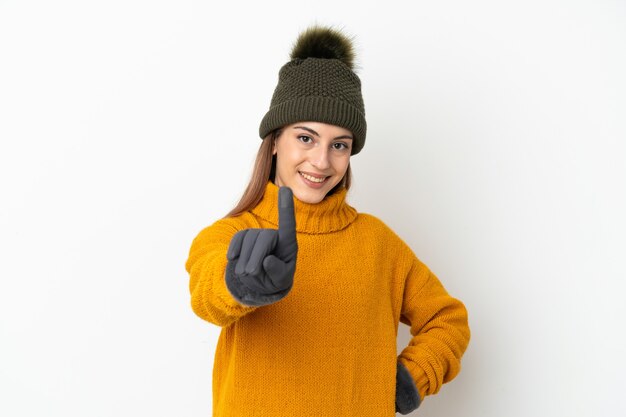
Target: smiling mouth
[{"x": 313, "y": 179}]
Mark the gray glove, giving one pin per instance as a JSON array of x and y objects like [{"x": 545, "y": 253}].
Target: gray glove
[
  {"x": 262, "y": 262},
  {"x": 407, "y": 395}
]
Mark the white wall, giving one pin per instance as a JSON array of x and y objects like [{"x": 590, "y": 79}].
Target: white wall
[{"x": 495, "y": 148}]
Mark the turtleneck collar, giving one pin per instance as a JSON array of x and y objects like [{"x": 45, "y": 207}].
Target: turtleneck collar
[{"x": 329, "y": 215}]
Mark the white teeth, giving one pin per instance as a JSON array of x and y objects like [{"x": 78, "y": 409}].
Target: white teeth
[{"x": 313, "y": 179}]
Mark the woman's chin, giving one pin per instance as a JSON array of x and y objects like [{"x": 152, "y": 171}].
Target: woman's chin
[{"x": 310, "y": 197}]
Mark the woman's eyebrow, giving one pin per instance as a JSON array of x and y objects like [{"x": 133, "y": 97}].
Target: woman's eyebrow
[{"x": 308, "y": 129}]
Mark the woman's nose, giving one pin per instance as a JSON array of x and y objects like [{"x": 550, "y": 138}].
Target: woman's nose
[{"x": 320, "y": 158}]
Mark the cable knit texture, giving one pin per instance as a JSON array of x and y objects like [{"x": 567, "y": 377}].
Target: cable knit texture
[{"x": 329, "y": 347}]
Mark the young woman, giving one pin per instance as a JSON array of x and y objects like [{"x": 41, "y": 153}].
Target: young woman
[{"x": 309, "y": 293}]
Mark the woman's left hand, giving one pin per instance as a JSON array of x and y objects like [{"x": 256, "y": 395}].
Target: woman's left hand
[{"x": 407, "y": 395}]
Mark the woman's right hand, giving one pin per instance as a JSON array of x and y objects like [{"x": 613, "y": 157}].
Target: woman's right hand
[{"x": 262, "y": 262}]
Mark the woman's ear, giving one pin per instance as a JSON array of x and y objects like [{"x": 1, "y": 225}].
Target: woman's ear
[{"x": 275, "y": 138}]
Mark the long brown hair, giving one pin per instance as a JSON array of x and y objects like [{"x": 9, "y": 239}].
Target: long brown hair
[{"x": 264, "y": 170}]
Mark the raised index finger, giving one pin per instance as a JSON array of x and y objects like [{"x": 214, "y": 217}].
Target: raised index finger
[{"x": 287, "y": 244}]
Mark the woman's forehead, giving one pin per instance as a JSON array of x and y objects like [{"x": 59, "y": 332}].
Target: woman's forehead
[{"x": 320, "y": 128}]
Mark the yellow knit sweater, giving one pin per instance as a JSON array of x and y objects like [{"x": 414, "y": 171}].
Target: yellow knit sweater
[{"x": 329, "y": 347}]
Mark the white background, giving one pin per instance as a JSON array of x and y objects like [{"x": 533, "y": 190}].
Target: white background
[{"x": 495, "y": 148}]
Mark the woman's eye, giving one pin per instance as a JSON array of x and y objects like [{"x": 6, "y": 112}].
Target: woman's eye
[
  {"x": 341, "y": 146},
  {"x": 305, "y": 139}
]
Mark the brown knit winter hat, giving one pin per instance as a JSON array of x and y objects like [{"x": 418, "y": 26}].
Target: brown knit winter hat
[{"x": 319, "y": 84}]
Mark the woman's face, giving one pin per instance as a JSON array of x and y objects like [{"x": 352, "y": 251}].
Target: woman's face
[{"x": 311, "y": 149}]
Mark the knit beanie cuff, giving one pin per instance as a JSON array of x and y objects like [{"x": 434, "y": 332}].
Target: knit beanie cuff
[{"x": 317, "y": 108}]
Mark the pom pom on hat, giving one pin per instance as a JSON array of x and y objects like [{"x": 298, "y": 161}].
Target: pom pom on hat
[{"x": 323, "y": 42}]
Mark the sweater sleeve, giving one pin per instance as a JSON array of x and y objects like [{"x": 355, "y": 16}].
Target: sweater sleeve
[
  {"x": 439, "y": 328},
  {"x": 206, "y": 265}
]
